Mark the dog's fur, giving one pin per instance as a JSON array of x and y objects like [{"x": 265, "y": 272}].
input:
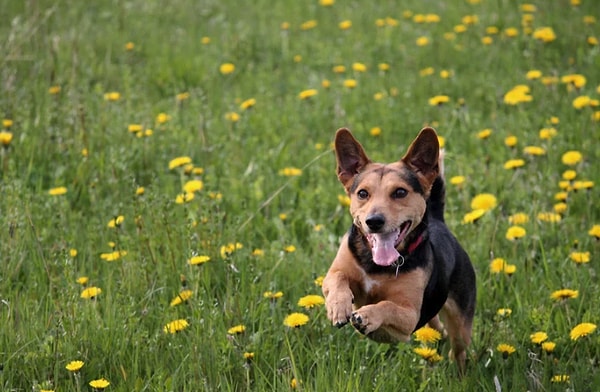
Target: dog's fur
[{"x": 399, "y": 265}]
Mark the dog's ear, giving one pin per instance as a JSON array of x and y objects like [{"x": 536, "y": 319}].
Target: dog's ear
[
  {"x": 350, "y": 156},
  {"x": 423, "y": 155}
]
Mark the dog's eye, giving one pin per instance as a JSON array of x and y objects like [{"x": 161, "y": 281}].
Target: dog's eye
[
  {"x": 362, "y": 194},
  {"x": 399, "y": 193}
]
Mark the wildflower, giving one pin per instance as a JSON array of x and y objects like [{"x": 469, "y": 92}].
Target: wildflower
[
  {"x": 345, "y": 24},
  {"x": 140, "y": 190},
  {"x": 91, "y": 292},
  {"x": 487, "y": 40},
  {"x": 181, "y": 297},
  {"x": 295, "y": 320},
  {"x": 484, "y": 134},
  {"x": 129, "y": 46},
  {"x": 580, "y": 257},
  {"x": 183, "y": 198},
  {"x": 232, "y": 116},
  {"x": 227, "y": 250},
  {"x": 182, "y": 96},
  {"x": 575, "y": 80},
  {"x": 505, "y": 349},
  {"x": 308, "y": 93},
  {"x": 375, "y": 131},
  {"x": 308, "y": 25},
  {"x": 484, "y": 201},
  {"x": 581, "y": 102},
  {"x": 319, "y": 281},
  {"x": 112, "y": 96},
  {"x": 518, "y": 94},
  {"x": 294, "y": 383},
  {"x": 195, "y": 260},
  {"x": 383, "y": 66},
  {"x": 429, "y": 354},
  {"x": 113, "y": 256},
  {"x": 514, "y": 164},
  {"x": 595, "y": 231},
  {"x": 193, "y": 186},
  {"x": 82, "y": 280},
  {"x": 438, "y": 100},
  {"x": 427, "y": 334},
  {"x": 162, "y": 118},
  {"x": 533, "y": 74},
  {"x": 569, "y": 175},
  {"x": 74, "y": 366},
  {"x": 289, "y": 249},
  {"x": 560, "y": 208},
  {"x": 562, "y": 196},
  {"x": 5, "y": 138},
  {"x": 571, "y": 158},
  {"x": 563, "y": 294},
  {"x": 116, "y": 222},
  {"x": 310, "y": 301},
  {"x": 290, "y": 172},
  {"x": 534, "y": 150},
  {"x": 583, "y": 185},
  {"x": 176, "y": 326},
  {"x": 258, "y": 252},
  {"x": 460, "y": 28},
  {"x": 179, "y": 161},
  {"x": 248, "y": 356},
  {"x": 61, "y": 190},
  {"x": 547, "y": 133},
  {"x": 226, "y": 68},
  {"x": 515, "y": 232},
  {"x": 73, "y": 252},
  {"x": 100, "y": 383},
  {"x": 422, "y": 41},
  {"x": 550, "y": 217},
  {"x": 54, "y": 90},
  {"x": 339, "y": 69},
  {"x": 538, "y": 337},
  {"x": 457, "y": 180},
  {"x": 504, "y": 312},
  {"x": 510, "y": 141},
  {"x": 544, "y": 34},
  {"x": 473, "y": 216},
  {"x": 518, "y": 219},
  {"x": 236, "y": 330},
  {"x": 548, "y": 347},
  {"x": 511, "y": 32},
  {"x": 247, "y": 104},
  {"x": 326, "y": 3},
  {"x": 273, "y": 295},
  {"x": 344, "y": 200},
  {"x": 582, "y": 330},
  {"x": 350, "y": 83},
  {"x": 560, "y": 378},
  {"x": 325, "y": 83},
  {"x": 205, "y": 40}
]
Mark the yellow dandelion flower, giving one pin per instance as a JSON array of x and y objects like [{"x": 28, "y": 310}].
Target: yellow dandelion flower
[
  {"x": 308, "y": 25},
  {"x": 534, "y": 150},
  {"x": 182, "y": 96},
  {"x": 319, "y": 281},
  {"x": 82, "y": 280},
  {"x": 538, "y": 337},
  {"x": 438, "y": 100},
  {"x": 289, "y": 249},
  {"x": 179, "y": 161},
  {"x": 290, "y": 172},
  {"x": 5, "y": 138},
  {"x": 484, "y": 201},
  {"x": 505, "y": 349},
  {"x": 427, "y": 353},
  {"x": 560, "y": 378},
  {"x": 295, "y": 320},
  {"x": 595, "y": 231},
  {"x": 510, "y": 141},
  {"x": 61, "y": 190},
  {"x": 544, "y": 34},
  {"x": 112, "y": 96},
  {"x": 205, "y": 40},
  {"x": 515, "y": 232},
  {"x": 550, "y": 217},
  {"x": 571, "y": 158},
  {"x": 248, "y": 356},
  {"x": 576, "y": 80},
  {"x": 344, "y": 200},
  {"x": 504, "y": 312},
  {"x": 359, "y": 67},
  {"x": 457, "y": 180},
  {"x": 305, "y": 94},
  {"x": 563, "y": 294},
  {"x": 473, "y": 216},
  {"x": 560, "y": 208},
  {"x": 236, "y": 330},
  {"x": 196, "y": 260},
  {"x": 533, "y": 74},
  {"x": 548, "y": 347},
  {"x": 176, "y": 326},
  {"x": 518, "y": 94},
  {"x": 227, "y": 68},
  {"x": 181, "y": 297},
  {"x": 422, "y": 41},
  {"x": 514, "y": 164},
  {"x": 580, "y": 257},
  {"x": 582, "y": 330},
  {"x": 116, "y": 222},
  {"x": 375, "y": 131},
  {"x": 100, "y": 383},
  {"x": 248, "y": 103},
  {"x": 113, "y": 256},
  {"x": 310, "y": 301},
  {"x": 183, "y": 198},
  {"x": 427, "y": 334},
  {"x": 162, "y": 118},
  {"x": 53, "y": 90},
  {"x": 484, "y": 133},
  {"x": 258, "y": 252},
  {"x": 192, "y": 186},
  {"x": 273, "y": 295},
  {"x": 74, "y": 366},
  {"x": 350, "y": 83},
  {"x": 345, "y": 24},
  {"x": 497, "y": 265},
  {"x": 91, "y": 292}
]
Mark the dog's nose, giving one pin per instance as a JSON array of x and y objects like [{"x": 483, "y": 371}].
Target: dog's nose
[{"x": 375, "y": 222}]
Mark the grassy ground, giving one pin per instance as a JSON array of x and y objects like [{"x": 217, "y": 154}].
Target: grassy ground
[{"x": 101, "y": 98}]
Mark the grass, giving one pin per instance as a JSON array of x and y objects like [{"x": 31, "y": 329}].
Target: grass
[{"x": 287, "y": 226}]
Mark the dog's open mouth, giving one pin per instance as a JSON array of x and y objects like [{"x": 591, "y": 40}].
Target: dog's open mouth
[{"x": 383, "y": 245}]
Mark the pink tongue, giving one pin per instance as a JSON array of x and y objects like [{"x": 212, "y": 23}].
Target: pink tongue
[{"x": 384, "y": 250}]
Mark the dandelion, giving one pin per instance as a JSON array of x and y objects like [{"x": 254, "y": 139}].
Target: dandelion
[
  {"x": 319, "y": 281},
  {"x": 595, "y": 231},
  {"x": 548, "y": 347},
  {"x": 308, "y": 25},
  {"x": 289, "y": 249},
  {"x": 100, "y": 383},
  {"x": 113, "y": 256},
  {"x": 232, "y": 116},
  {"x": 569, "y": 175},
  {"x": 518, "y": 94},
  {"x": 91, "y": 292},
  {"x": 82, "y": 280},
  {"x": 310, "y": 301},
  {"x": 196, "y": 260},
  {"x": 534, "y": 150},
  {"x": 427, "y": 353},
  {"x": 61, "y": 190},
  {"x": 511, "y": 32},
  {"x": 345, "y": 24},
  {"x": 183, "y": 198},
  {"x": 427, "y": 334},
  {"x": 226, "y": 68},
  {"x": 193, "y": 186},
  {"x": 549, "y": 217},
  {"x": 515, "y": 232},
  {"x": 422, "y": 41},
  {"x": 248, "y": 356},
  {"x": 182, "y": 96},
  {"x": 560, "y": 378},
  {"x": 538, "y": 337},
  {"x": 5, "y": 138},
  {"x": 344, "y": 200},
  {"x": 116, "y": 222},
  {"x": 162, "y": 118},
  {"x": 350, "y": 83},
  {"x": 580, "y": 257},
  {"x": 575, "y": 80},
  {"x": 205, "y": 40},
  {"x": 438, "y": 100},
  {"x": 505, "y": 349},
  {"x": 473, "y": 216},
  {"x": 179, "y": 161},
  {"x": 457, "y": 180},
  {"x": 487, "y": 40},
  {"x": 510, "y": 141},
  {"x": 563, "y": 294},
  {"x": 484, "y": 133},
  {"x": 581, "y": 102},
  {"x": 175, "y": 326},
  {"x": 290, "y": 172},
  {"x": 577, "y": 185},
  {"x": 338, "y": 69},
  {"x": 571, "y": 158},
  {"x": 305, "y": 94},
  {"x": 375, "y": 131},
  {"x": 112, "y": 96},
  {"x": 236, "y": 330},
  {"x": 484, "y": 201},
  {"x": 295, "y": 320},
  {"x": 181, "y": 298},
  {"x": 582, "y": 330},
  {"x": 74, "y": 366},
  {"x": 518, "y": 219},
  {"x": 383, "y": 66},
  {"x": 544, "y": 34},
  {"x": 514, "y": 164},
  {"x": 227, "y": 250},
  {"x": 258, "y": 252},
  {"x": 547, "y": 133},
  {"x": 247, "y": 104},
  {"x": 504, "y": 312},
  {"x": 272, "y": 295},
  {"x": 533, "y": 74},
  {"x": 140, "y": 190}
]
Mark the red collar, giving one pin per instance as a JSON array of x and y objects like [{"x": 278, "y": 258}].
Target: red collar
[{"x": 413, "y": 245}]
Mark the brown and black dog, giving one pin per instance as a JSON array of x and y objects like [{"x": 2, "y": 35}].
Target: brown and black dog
[{"x": 399, "y": 265}]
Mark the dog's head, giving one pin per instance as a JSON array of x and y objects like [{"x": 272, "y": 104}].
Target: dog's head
[{"x": 387, "y": 201}]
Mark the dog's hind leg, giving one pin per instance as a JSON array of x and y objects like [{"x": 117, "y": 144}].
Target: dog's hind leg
[
  {"x": 437, "y": 324},
  {"x": 459, "y": 325}
]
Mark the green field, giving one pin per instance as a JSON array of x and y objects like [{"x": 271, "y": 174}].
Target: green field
[{"x": 168, "y": 190}]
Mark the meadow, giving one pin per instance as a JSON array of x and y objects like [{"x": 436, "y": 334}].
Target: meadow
[{"x": 169, "y": 203}]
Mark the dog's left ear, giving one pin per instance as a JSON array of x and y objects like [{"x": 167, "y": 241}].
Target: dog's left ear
[
  {"x": 423, "y": 155},
  {"x": 350, "y": 156}
]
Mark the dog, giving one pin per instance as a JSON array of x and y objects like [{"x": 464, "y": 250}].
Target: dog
[{"x": 399, "y": 265}]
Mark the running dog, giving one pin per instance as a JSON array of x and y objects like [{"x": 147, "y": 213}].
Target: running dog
[{"x": 399, "y": 265}]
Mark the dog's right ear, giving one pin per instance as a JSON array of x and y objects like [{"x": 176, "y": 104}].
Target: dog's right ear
[{"x": 350, "y": 156}]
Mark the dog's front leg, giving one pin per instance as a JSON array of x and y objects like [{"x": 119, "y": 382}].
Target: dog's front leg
[
  {"x": 338, "y": 298},
  {"x": 399, "y": 321}
]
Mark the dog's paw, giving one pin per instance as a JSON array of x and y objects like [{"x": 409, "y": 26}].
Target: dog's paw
[
  {"x": 339, "y": 311},
  {"x": 359, "y": 323},
  {"x": 364, "y": 322}
]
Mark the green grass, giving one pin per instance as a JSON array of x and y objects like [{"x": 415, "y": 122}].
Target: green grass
[{"x": 80, "y": 46}]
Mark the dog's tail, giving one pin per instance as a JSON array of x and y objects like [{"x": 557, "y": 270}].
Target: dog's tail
[{"x": 437, "y": 196}]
